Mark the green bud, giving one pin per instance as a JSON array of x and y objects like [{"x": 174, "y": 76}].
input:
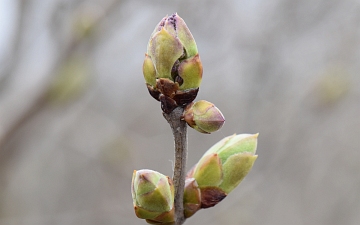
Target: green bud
[
  {"x": 223, "y": 167},
  {"x": 153, "y": 196},
  {"x": 164, "y": 49},
  {"x": 192, "y": 197},
  {"x": 149, "y": 71},
  {"x": 204, "y": 117},
  {"x": 172, "y": 67},
  {"x": 189, "y": 71}
]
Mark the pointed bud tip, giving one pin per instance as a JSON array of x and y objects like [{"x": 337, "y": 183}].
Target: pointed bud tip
[{"x": 191, "y": 182}]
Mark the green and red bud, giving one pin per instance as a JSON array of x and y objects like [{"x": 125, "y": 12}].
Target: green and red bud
[
  {"x": 172, "y": 67},
  {"x": 203, "y": 116},
  {"x": 223, "y": 167},
  {"x": 153, "y": 196}
]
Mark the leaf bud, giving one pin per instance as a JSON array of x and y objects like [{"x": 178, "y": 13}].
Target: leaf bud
[
  {"x": 153, "y": 196},
  {"x": 223, "y": 167},
  {"x": 203, "y": 116}
]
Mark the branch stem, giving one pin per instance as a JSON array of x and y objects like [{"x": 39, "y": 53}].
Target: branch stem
[{"x": 179, "y": 130}]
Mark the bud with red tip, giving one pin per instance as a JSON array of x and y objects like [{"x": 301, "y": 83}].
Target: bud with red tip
[{"x": 204, "y": 117}]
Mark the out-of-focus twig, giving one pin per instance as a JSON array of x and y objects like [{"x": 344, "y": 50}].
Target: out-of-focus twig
[{"x": 39, "y": 103}]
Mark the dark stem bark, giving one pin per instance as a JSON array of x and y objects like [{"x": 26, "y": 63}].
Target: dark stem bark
[{"x": 179, "y": 131}]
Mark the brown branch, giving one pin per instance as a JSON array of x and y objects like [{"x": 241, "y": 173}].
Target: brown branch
[{"x": 178, "y": 128}]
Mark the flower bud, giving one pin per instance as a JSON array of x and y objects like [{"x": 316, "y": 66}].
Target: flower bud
[
  {"x": 223, "y": 167},
  {"x": 203, "y": 116},
  {"x": 172, "y": 67},
  {"x": 153, "y": 196}
]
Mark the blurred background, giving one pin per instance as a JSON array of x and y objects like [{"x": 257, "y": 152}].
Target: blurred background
[{"x": 76, "y": 118}]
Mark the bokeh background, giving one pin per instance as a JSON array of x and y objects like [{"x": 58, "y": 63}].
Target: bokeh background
[{"x": 76, "y": 118}]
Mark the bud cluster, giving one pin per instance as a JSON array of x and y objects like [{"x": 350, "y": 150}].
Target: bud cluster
[
  {"x": 173, "y": 72},
  {"x": 219, "y": 171},
  {"x": 172, "y": 67},
  {"x": 216, "y": 174}
]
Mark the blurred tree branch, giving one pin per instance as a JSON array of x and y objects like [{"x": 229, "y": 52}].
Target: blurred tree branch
[{"x": 66, "y": 50}]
